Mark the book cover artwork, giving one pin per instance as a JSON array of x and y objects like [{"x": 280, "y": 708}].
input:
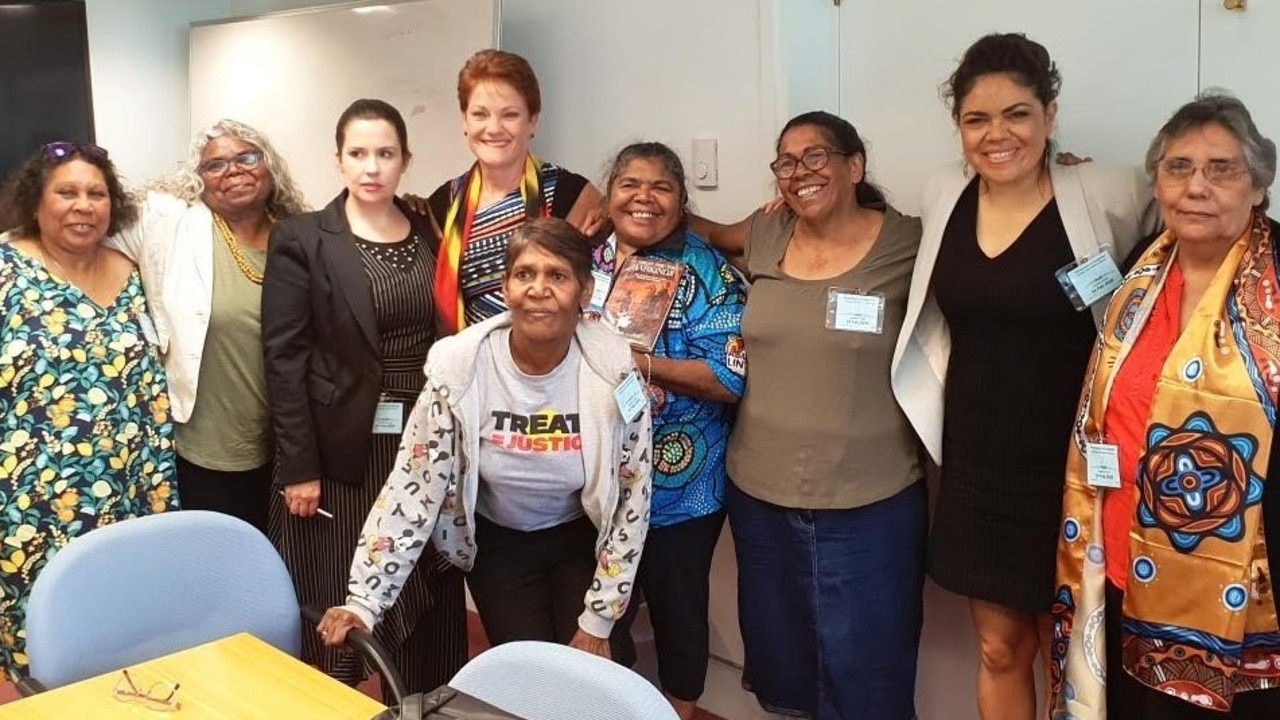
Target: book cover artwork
[{"x": 641, "y": 297}]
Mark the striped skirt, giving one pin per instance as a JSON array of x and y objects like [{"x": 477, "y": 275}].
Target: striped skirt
[{"x": 426, "y": 628}]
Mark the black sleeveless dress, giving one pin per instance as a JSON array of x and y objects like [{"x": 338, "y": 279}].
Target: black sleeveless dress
[{"x": 1019, "y": 351}]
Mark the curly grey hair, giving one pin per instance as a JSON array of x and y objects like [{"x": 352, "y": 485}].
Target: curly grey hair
[
  {"x": 1216, "y": 107},
  {"x": 285, "y": 201}
]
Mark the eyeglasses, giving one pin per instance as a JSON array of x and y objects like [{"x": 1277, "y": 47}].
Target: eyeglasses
[
  {"x": 159, "y": 695},
  {"x": 1179, "y": 171},
  {"x": 64, "y": 150},
  {"x": 247, "y": 160},
  {"x": 814, "y": 159}
]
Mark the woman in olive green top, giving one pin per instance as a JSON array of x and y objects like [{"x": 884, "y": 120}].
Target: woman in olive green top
[
  {"x": 827, "y": 507},
  {"x": 201, "y": 247}
]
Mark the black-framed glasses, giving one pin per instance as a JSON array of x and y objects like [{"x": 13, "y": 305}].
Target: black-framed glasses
[
  {"x": 246, "y": 160},
  {"x": 64, "y": 150},
  {"x": 1179, "y": 171},
  {"x": 159, "y": 695},
  {"x": 815, "y": 158}
]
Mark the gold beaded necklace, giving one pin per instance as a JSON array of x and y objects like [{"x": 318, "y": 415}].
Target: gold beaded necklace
[{"x": 228, "y": 237}]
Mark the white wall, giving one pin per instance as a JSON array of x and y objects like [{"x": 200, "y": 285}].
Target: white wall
[
  {"x": 673, "y": 72},
  {"x": 138, "y": 68}
]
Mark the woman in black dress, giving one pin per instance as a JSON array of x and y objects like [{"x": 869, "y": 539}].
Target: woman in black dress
[
  {"x": 347, "y": 321},
  {"x": 993, "y": 350}
]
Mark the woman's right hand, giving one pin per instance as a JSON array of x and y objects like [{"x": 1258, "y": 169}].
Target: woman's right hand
[
  {"x": 303, "y": 499},
  {"x": 335, "y": 625},
  {"x": 416, "y": 203}
]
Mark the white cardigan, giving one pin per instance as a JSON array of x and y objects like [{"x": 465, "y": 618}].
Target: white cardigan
[
  {"x": 1099, "y": 206},
  {"x": 172, "y": 243}
]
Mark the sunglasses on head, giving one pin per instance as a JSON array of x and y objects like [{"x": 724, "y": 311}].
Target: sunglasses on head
[{"x": 64, "y": 150}]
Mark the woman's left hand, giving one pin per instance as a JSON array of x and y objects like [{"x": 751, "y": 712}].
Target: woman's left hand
[{"x": 586, "y": 642}]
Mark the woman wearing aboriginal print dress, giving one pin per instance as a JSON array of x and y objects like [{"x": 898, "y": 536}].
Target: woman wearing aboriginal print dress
[
  {"x": 1164, "y": 608},
  {"x": 476, "y": 212}
]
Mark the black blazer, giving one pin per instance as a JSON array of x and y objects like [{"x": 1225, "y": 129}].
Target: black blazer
[{"x": 321, "y": 345}]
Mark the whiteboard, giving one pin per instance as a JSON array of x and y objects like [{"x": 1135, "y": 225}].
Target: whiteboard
[{"x": 291, "y": 74}]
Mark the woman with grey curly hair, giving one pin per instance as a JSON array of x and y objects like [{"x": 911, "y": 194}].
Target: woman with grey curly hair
[{"x": 201, "y": 244}]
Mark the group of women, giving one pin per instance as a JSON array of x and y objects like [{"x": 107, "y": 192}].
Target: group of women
[{"x": 391, "y": 383}]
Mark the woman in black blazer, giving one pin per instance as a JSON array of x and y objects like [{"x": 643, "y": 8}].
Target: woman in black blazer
[{"x": 347, "y": 319}]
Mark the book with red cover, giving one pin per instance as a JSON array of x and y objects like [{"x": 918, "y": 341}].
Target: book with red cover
[{"x": 641, "y": 297}]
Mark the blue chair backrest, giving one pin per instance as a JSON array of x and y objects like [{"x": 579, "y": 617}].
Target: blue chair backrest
[
  {"x": 547, "y": 681},
  {"x": 150, "y": 586}
]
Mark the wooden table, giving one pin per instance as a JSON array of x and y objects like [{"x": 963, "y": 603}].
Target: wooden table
[{"x": 235, "y": 678}]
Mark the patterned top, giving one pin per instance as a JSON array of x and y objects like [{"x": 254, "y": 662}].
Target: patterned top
[
  {"x": 690, "y": 435},
  {"x": 485, "y": 256},
  {"x": 401, "y": 275},
  {"x": 86, "y": 439}
]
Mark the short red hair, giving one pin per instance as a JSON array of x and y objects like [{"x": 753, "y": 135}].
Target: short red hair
[{"x": 499, "y": 66}]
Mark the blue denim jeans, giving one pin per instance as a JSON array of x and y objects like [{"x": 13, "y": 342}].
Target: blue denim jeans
[{"x": 829, "y": 603}]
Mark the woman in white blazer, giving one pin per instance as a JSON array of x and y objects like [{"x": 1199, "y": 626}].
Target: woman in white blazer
[
  {"x": 201, "y": 247},
  {"x": 998, "y": 330}
]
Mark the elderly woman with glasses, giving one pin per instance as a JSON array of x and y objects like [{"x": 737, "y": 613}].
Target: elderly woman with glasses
[
  {"x": 201, "y": 245},
  {"x": 86, "y": 439},
  {"x": 826, "y": 502},
  {"x": 1171, "y": 464}
]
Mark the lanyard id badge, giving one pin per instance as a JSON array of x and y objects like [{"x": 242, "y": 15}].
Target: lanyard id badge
[
  {"x": 631, "y": 397},
  {"x": 1090, "y": 279},
  {"x": 1103, "y": 462},
  {"x": 855, "y": 311},
  {"x": 600, "y": 292},
  {"x": 388, "y": 419}
]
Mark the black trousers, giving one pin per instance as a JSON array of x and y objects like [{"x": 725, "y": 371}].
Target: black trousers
[
  {"x": 674, "y": 579},
  {"x": 531, "y": 585},
  {"x": 1128, "y": 699},
  {"x": 245, "y": 494}
]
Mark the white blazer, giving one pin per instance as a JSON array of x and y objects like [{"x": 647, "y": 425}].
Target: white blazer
[
  {"x": 172, "y": 243},
  {"x": 1099, "y": 206}
]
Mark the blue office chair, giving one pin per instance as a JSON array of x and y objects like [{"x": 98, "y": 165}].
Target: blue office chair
[
  {"x": 150, "y": 586},
  {"x": 548, "y": 681}
]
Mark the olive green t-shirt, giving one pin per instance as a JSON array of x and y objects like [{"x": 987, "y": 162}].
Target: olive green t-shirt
[
  {"x": 229, "y": 428},
  {"x": 818, "y": 426}
]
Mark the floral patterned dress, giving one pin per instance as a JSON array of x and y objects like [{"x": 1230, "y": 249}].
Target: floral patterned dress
[{"x": 86, "y": 438}]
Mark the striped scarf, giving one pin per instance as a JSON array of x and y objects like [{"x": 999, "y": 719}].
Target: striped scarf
[
  {"x": 1199, "y": 620},
  {"x": 457, "y": 232}
]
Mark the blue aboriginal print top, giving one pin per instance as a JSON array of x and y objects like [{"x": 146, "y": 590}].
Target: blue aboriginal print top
[{"x": 690, "y": 435}]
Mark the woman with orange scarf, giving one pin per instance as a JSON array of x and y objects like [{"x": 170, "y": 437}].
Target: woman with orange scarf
[
  {"x": 476, "y": 212},
  {"x": 1164, "y": 607}
]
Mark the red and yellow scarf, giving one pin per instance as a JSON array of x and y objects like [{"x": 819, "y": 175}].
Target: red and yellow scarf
[
  {"x": 1199, "y": 619},
  {"x": 457, "y": 232}
]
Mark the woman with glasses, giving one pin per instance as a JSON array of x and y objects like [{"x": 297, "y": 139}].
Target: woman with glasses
[
  {"x": 347, "y": 320},
  {"x": 1172, "y": 466},
  {"x": 201, "y": 246},
  {"x": 86, "y": 438},
  {"x": 1017, "y": 260},
  {"x": 826, "y": 500}
]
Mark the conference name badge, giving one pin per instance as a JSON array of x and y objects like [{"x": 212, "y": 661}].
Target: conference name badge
[
  {"x": 148, "y": 328},
  {"x": 630, "y": 397},
  {"x": 1090, "y": 279},
  {"x": 855, "y": 311},
  {"x": 600, "y": 293},
  {"x": 388, "y": 419},
  {"x": 1103, "y": 462}
]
